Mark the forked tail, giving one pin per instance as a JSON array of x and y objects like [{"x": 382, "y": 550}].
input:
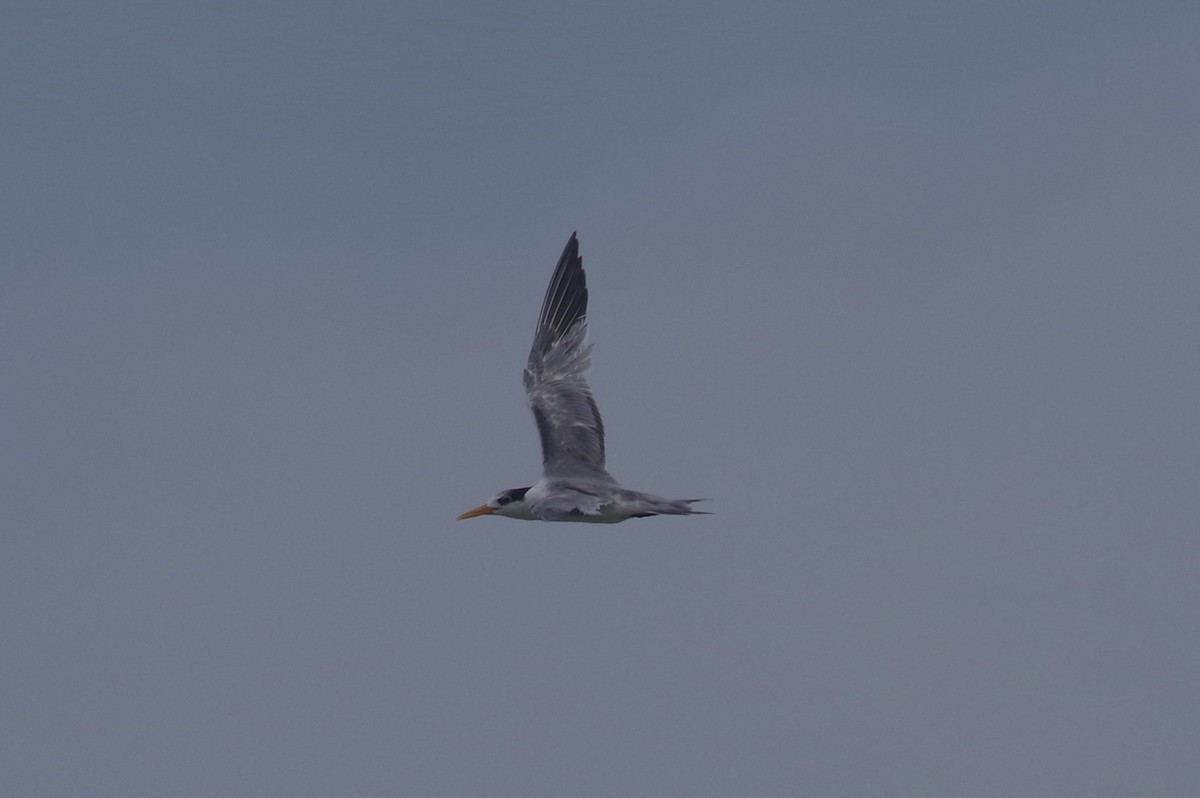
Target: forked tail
[{"x": 674, "y": 507}]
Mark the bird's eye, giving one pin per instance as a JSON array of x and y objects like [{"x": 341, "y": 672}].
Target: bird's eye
[{"x": 503, "y": 500}]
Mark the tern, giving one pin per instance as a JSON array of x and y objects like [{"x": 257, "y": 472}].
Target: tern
[{"x": 575, "y": 485}]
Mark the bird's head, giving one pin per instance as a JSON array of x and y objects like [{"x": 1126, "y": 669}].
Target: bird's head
[{"x": 510, "y": 503}]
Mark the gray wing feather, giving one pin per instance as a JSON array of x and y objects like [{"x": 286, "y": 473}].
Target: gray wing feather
[{"x": 556, "y": 377}]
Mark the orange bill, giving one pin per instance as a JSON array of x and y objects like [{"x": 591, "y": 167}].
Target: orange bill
[{"x": 482, "y": 509}]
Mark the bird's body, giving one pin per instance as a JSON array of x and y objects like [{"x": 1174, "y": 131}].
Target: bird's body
[{"x": 575, "y": 485}]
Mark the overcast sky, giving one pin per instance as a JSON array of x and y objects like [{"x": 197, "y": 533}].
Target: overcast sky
[{"x": 907, "y": 289}]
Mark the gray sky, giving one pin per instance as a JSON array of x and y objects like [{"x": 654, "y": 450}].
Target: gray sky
[{"x": 908, "y": 289}]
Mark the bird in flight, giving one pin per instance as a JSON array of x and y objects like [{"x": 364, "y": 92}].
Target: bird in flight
[{"x": 575, "y": 486}]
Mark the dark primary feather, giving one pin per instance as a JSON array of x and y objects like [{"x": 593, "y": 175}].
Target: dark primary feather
[
  {"x": 565, "y": 302},
  {"x": 556, "y": 376}
]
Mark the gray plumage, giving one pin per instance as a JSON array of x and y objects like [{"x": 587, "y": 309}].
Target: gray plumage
[
  {"x": 568, "y": 420},
  {"x": 575, "y": 484}
]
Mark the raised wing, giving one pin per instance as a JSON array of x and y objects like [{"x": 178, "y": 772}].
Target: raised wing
[{"x": 556, "y": 377}]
